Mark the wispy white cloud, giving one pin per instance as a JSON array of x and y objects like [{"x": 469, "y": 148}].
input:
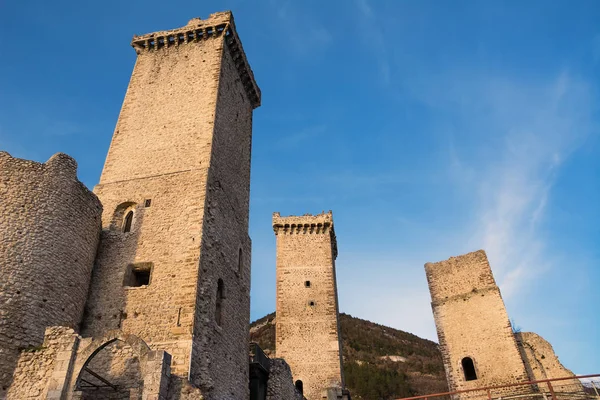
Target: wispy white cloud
[
  {"x": 293, "y": 139},
  {"x": 521, "y": 131},
  {"x": 370, "y": 28},
  {"x": 304, "y": 35}
]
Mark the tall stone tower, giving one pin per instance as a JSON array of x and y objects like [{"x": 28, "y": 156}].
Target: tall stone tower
[
  {"x": 307, "y": 330},
  {"x": 476, "y": 339},
  {"x": 173, "y": 265}
]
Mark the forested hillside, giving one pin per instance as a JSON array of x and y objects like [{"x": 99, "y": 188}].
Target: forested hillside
[{"x": 379, "y": 362}]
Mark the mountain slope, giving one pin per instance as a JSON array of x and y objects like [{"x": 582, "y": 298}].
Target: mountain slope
[{"x": 379, "y": 362}]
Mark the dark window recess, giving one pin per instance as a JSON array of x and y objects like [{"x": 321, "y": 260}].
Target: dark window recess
[
  {"x": 147, "y": 203},
  {"x": 240, "y": 261},
  {"x": 299, "y": 386},
  {"x": 307, "y": 283},
  {"x": 219, "y": 302},
  {"x": 311, "y": 303},
  {"x": 138, "y": 275},
  {"x": 469, "y": 369},
  {"x": 128, "y": 221}
]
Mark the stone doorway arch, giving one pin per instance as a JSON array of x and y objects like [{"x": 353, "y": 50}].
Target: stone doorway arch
[
  {"x": 112, "y": 372},
  {"x": 121, "y": 367}
]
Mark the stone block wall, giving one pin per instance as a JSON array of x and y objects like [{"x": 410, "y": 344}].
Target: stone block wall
[
  {"x": 280, "y": 385},
  {"x": 542, "y": 363},
  {"x": 49, "y": 230},
  {"x": 220, "y": 352},
  {"x": 36, "y": 367},
  {"x": 307, "y": 330},
  {"x": 472, "y": 323},
  {"x": 69, "y": 367},
  {"x": 180, "y": 162}
]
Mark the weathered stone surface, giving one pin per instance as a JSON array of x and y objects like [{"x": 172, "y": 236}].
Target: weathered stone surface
[
  {"x": 542, "y": 363},
  {"x": 307, "y": 330},
  {"x": 173, "y": 263},
  {"x": 180, "y": 161},
  {"x": 280, "y": 385},
  {"x": 37, "y": 367},
  {"x": 472, "y": 322},
  {"x": 49, "y": 230},
  {"x": 67, "y": 367}
]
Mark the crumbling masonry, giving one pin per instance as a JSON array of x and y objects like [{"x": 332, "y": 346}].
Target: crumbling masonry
[{"x": 476, "y": 338}]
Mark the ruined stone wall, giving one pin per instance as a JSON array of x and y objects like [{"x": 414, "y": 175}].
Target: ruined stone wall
[
  {"x": 35, "y": 366},
  {"x": 280, "y": 385},
  {"x": 69, "y": 367},
  {"x": 180, "y": 161},
  {"x": 49, "y": 229},
  {"x": 472, "y": 322},
  {"x": 542, "y": 363},
  {"x": 307, "y": 331}
]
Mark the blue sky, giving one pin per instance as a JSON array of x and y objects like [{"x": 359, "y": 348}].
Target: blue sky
[{"x": 430, "y": 128}]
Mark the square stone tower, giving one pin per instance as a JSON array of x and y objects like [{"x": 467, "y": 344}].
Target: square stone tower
[
  {"x": 173, "y": 265},
  {"x": 307, "y": 330},
  {"x": 476, "y": 339}
]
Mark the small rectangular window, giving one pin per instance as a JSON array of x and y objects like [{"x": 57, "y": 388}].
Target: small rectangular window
[
  {"x": 307, "y": 283},
  {"x": 138, "y": 274},
  {"x": 147, "y": 203}
]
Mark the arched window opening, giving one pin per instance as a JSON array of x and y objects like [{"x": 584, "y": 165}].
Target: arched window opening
[
  {"x": 469, "y": 369},
  {"x": 219, "y": 303},
  {"x": 127, "y": 222},
  {"x": 299, "y": 386},
  {"x": 240, "y": 261}
]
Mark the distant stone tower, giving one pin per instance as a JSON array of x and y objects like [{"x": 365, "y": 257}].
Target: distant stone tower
[
  {"x": 476, "y": 339},
  {"x": 173, "y": 265},
  {"x": 307, "y": 329}
]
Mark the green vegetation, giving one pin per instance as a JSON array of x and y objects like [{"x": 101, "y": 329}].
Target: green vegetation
[{"x": 380, "y": 363}]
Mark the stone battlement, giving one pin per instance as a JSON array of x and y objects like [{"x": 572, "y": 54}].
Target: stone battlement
[
  {"x": 323, "y": 219},
  {"x": 217, "y": 25},
  {"x": 306, "y": 224}
]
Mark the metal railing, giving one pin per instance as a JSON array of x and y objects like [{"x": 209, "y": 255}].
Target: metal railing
[
  {"x": 549, "y": 394},
  {"x": 258, "y": 356}
]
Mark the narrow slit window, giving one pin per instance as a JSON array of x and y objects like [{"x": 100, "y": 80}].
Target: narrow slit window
[
  {"x": 299, "y": 386},
  {"x": 128, "y": 221},
  {"x": 469, "y": 369},
  {"x": 219, "y": 303},
  {"x": 240, "y": 261}
]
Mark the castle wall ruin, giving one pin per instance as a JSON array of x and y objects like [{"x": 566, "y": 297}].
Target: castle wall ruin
[
  {"x": 113, "y": 367},
  {"x": 475, "y": 335},
  {"x": 50, "y": 228},
  {"x": 542, "y": 363}
]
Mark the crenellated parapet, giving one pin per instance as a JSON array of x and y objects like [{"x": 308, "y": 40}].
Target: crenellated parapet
[
  {"x": 306, "y": 224},
  {"x": 217, "y": 25}
]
